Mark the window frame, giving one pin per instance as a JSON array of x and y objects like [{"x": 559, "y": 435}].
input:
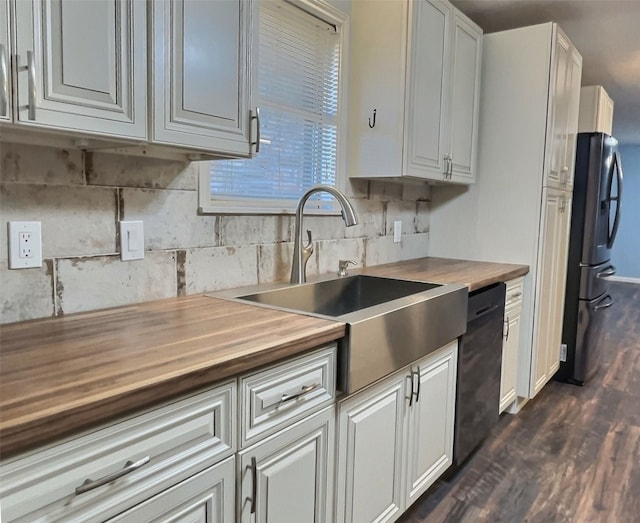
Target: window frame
[{"x": 208, "y": 204}]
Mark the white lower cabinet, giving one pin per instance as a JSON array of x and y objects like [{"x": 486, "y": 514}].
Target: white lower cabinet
[
  {"x": 288, "y": 477},
  {"x": 511, "y": 343},
  {"x": 371, "y": 429},
  {"x": 207, "y": 497},
  {"x": 148, "y": 464},
  {"x": 395, "y": 439},
  {"x": 429, "y": 449}
]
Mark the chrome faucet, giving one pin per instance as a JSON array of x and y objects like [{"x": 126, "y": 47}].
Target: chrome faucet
[{"x": 302, "y": 253}]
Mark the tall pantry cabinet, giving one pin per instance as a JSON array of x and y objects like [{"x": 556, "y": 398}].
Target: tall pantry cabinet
[{"x": 518, "y": 211}]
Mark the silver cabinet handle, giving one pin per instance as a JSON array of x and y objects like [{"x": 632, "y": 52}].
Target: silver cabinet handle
[
  {"x": 31, "y": 71},
  {"x": 129, "y": 467},
  {"x": 254, "y": 487},
  {"x": 450, "y": 166},
  {"x": 508, "y": 326},
  {"x": 517, "y": 295},
  {"x": 305, "y": 390},
  {"x": 4, "y": 82},
  {"x": 418, "y": 387},
  {"x": 256, "y": 116},
  {"x": 410, "y": 378},
  {"x": 447, "y": 167}
]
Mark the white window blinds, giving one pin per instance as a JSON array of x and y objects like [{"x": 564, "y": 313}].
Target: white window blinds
[{"x": 299, "y": 64}]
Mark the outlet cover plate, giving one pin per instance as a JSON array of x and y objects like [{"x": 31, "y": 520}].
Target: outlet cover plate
[{"x": 25, "y": 245}]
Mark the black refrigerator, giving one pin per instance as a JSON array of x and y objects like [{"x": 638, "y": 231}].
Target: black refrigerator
[{"x": 594, "y": 222}]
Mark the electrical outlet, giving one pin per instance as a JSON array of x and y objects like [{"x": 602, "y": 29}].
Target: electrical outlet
[
  {"x": 563, "y": 352},
  {"x": 25, "y": 245},
  {"x": 25, "y": 239}
]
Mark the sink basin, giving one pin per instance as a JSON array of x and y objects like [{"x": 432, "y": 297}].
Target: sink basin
[
  {"x": 342, "y": 296},
  {"x": 390, "y": 322}
]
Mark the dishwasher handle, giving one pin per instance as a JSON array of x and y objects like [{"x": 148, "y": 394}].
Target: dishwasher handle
[{"x": 485, "y": 310}]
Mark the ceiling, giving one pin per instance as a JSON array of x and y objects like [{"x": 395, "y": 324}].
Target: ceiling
[{"x": 606, "y": 32}]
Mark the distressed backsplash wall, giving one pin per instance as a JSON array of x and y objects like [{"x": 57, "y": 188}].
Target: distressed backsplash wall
[{"x": 80, "y": 197}]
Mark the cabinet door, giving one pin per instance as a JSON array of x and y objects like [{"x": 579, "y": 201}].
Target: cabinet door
[
  {"x": 574, "y": 78},
  {"x": 207, "y": 497},
  {"x": 201, "y": 77},
  {"x": 287, "y": 478},
  {"x": 429, "y": 450},
  {"x": 370, "y": 443},
  {"x": 5, "y": 70},
  {"x": 551, "y": 283},
  {"x": 375, "y": 148},
  {"x": 426, "y": 117},
  {"x": 560, "y": 253},
  {"x": 82, "y": 65},
  {"x": 465, "y": 98},
  {"x": 562, "y": 104},
  {"x": 510, "y": 347}
]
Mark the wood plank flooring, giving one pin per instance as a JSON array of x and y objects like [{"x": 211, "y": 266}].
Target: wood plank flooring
[{"x": 572, "y": 455}]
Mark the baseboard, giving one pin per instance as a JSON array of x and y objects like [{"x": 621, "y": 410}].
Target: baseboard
[
  {"x": 517, "y": 405},
  {"x": 624, "y": 279}
]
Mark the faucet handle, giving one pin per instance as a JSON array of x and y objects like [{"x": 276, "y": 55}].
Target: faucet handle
[
  {"x": 309, "y": 241},
  {"x": 343, "y": 266}
]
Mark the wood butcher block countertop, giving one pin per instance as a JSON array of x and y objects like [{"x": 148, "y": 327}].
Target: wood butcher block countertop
[
  {"x": 472, "y": 274},
  {"x": 61, "y": 375}
]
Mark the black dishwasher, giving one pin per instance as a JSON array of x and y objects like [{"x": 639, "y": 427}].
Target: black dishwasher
[{"x": 479, "y": 368}]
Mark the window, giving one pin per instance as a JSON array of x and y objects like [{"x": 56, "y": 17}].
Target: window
[{"x": 299, "y": 69}]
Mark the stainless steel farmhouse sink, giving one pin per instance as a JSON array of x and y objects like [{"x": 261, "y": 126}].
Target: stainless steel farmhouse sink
[{"x": 390, "y": 322}]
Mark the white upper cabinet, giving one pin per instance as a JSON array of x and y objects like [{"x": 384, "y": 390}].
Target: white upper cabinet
[
  {"x": 428, "y": 81},
  {"x": 423, "y": 88},
  {"x": 201, "y": 74},
  {"x": 465, "y": 99},
  {"x": 81, "y": 66},
  {"x": 5, "y": 54},
  {"x": 564, "y": 101},
  {"x": 596, "y": 110},
  {"x": 527, "y": 128}
]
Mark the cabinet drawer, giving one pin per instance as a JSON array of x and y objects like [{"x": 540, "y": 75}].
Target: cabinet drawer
[
  {"x": 286, "y": 392},
  {"x": 206, "y": 496},
  {"x": 514, "y": 292},
  {"x": 169, "y": 443}
]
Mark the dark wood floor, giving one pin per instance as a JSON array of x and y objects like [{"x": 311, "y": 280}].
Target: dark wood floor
[{"x": 571, "y": 455}]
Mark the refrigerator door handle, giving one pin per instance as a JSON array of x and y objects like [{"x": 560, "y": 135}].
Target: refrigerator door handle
[
  {"x": 610, "y": 270},
  {"x": 608, "y": 302},
  {"x": 617, "y": 165}
]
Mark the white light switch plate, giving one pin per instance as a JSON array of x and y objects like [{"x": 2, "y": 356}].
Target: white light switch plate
[
  {"x": 131, "y": 241},
  {"x": 397, "y": 231},
  {"x": 25, "y": 245}
]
